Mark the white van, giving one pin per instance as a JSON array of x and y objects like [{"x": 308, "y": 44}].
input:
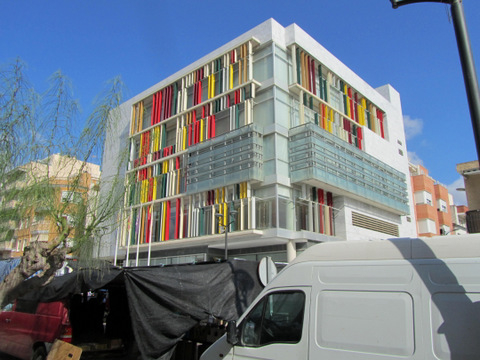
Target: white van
[{"x": 388, "y": 299}]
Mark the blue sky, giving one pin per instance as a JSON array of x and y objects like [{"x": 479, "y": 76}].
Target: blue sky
[{"x": 413, "y": 48}]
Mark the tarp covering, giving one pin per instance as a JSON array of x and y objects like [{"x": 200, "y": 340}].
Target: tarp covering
[
  {"x": 62, "y": 287},
  {"x": 166, "y": 302}
]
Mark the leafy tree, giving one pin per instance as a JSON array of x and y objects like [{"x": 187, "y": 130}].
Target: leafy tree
[{"x": 42, "y": 147}]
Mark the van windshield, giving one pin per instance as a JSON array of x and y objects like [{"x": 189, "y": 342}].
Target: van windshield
[{"x": 277, "y": 318}]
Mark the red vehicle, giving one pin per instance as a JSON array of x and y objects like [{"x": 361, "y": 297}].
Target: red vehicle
[{"x": 28, "y": 329}]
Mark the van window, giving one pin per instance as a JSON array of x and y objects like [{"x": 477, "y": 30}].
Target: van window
[{"x": 277, "y": 318}]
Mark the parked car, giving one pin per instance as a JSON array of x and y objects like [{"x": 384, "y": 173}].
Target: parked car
[
  {"x": 28, "y": 329},
  {"x": 89, "y": 321}
]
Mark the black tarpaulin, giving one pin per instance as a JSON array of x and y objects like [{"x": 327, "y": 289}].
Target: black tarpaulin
[
  {"x": 164, "y": 302},
  {"x": 79, "y": 281},
  {"x": 63, "y": 287},
  {"x": 167, "y": 302}
]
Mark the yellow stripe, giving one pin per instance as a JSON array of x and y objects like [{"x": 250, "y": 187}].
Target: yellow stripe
[
  {"x": 359, "y": 111},
  {"x": 213, "y": 85},
  {"x": 220, "y": 211},
  {"x": 364, "y": 107},
  {"x": 162, "y": 235},
  {"x": 184, "y": 138},
  {"x": 140, "y": 124},
  {"x": 210, "y": 86},
  {"x": 154, "y": 197},
  {"x": 132, "y": 124},
  {"x": 225, "y": 214}
]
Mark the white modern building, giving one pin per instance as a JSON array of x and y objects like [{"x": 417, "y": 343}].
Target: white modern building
[{"x": 269, "y": 133}]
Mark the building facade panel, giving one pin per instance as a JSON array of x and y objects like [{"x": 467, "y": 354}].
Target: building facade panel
[{"x": 270, "y": 136}]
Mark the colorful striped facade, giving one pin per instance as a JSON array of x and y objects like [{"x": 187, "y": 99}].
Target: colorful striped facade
[{"x": 276, "y": 135}]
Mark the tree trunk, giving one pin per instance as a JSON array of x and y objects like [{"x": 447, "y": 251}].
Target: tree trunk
[{"x": 37, "y": 257}]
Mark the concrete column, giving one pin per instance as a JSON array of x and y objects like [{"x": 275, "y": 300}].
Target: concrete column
[{"x": 291, "y": 251}]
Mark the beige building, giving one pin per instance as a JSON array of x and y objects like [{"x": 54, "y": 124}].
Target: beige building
[
  {"x": 471, "y": 177},
  {"x": 71, "y": 179}
]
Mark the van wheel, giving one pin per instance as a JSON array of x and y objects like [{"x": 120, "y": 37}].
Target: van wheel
[{"x": 39, "y": 354}]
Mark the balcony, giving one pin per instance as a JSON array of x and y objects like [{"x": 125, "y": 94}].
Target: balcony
[
  {"x": 229, "y": 159},
  {"x": 324, "y": 160}
]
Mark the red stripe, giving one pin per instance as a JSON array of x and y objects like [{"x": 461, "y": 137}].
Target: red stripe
[
  {"x": 160, "y": 105},
  {"x": 329, "y": 199},
  {"x": 147, "y": 233},
  {"x": 360, "y": 137},
  {"x": 320, "y": 218},
  {"x": 152, "y": 119},
  {"x": 352, "y": 112},
  {"x": 170, "y": 93},
  {"x": 177, "y": 219},
  {"x": 213, "y": 125}
]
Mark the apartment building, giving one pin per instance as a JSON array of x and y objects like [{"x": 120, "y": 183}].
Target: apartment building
[
  {"x": 60, "y": 172},
  {"x": 459, "y": 218},
  {"x": 433, "y": 204},
  {"x": 269, "y": 137}
]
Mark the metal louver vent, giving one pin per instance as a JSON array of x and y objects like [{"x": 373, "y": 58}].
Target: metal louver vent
[{"x": 370, "y": 223}]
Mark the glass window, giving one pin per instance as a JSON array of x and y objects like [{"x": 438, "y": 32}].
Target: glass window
[
  {"x": 442, "y": 205},
  {"x": 426, "y": 226},
  {"x": 336, "y": 99},
  {"x": 277, "y": 318},
  {"x": 71, "y": 197},
  {"x": 263, "y": 64},
  {"x": 423, "y": 197}
]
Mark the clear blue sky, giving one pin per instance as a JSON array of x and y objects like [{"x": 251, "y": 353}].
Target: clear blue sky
[{"x": 413, "y": 48}]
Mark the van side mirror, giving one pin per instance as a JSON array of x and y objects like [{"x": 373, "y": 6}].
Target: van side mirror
[{"x": 232, "y": 337}]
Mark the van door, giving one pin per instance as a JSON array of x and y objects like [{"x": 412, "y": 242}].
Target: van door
[{"x": 276, "y": 327}]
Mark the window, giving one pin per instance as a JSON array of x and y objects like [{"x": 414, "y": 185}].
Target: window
[
  {"x": 423, "y": 197},
  {"x": 426, "y": 226},
  {"x": 336, "y": 99},
  {"x": 71, "y": 197},
  {"x": 277, "y": 318},
  {"x": 444, "y": 230},
  {"x": 442, "y": 205}
]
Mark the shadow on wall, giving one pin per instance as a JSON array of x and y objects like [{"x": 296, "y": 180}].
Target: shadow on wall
[{"x": 455, "y": 313}]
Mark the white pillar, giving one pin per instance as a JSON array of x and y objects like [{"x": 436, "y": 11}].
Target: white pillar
[{"x": 291, "y": 251}]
